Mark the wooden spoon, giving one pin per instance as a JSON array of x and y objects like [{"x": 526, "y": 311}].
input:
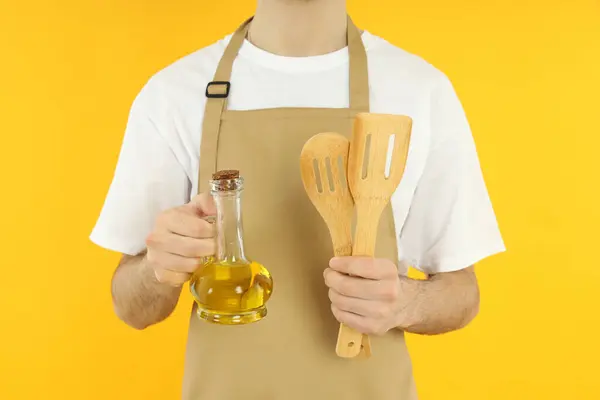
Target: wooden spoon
[
  {"x": 371, "y": 178},
  {"x": 323, "y": 164}
]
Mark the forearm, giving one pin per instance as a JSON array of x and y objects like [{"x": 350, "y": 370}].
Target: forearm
[
  {"x": 440, "y": 304},
  {"x": 139, "y": 299}
]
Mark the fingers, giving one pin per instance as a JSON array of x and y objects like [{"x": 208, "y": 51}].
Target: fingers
[
  {"x": 171, "y": 262},
  {"x": 171, "y": 277},
  {"x": 354, "y": 321},
  {"x": 203, "y": 204},
  {"x": 364, "y": 293},
  {"x": 365, "y": 308},
  {"x": 361, "y": 324},
  {"x": 183, "y": 246},
  {"x": 180, "y": 239},
  {"x": 361, "y": 288},
  {"x": 365, "y": 267},
  {"x": 184, "y": 223}
]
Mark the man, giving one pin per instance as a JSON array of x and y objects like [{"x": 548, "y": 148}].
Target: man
[{"x": 296, "y": 69}]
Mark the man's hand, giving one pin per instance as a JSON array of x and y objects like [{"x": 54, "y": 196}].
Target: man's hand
[
  {"x": 146, "y": 287},
  {"x": 180, "y": 238},
  {"x": 367, "y": 301},
  {"x": 370, "y": 296}
]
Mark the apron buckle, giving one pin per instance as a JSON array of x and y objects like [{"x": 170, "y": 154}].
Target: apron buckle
[{"x": 218, "y": 95}]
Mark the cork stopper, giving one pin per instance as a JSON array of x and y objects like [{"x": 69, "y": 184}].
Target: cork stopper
[
  {"x": 226, "y": 174},
  {"x": 227, "y": 180}
]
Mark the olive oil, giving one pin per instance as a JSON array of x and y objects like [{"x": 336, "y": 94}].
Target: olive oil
[
  {"x": 228, "y": 288},
  {"x": 232, "y": 293}
]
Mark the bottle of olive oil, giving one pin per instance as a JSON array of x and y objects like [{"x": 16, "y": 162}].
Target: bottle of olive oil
[{"x": 229, "y": 288}]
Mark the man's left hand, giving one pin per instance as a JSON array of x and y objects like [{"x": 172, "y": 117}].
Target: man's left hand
[{"x": 365, "y": 293}]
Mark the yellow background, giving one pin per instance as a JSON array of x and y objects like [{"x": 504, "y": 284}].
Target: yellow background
[{"x": 528, "y": 74}]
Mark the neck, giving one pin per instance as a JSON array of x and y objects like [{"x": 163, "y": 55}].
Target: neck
[
  {"x": 299, "y": 28},
  {"x": 230, "y": 242}
]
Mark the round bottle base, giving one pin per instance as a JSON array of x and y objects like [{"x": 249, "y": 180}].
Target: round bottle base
[{"x": 224, "y": 318}]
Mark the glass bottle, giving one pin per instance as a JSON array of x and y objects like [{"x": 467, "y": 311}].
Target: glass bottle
[{"x": 229, "y": 288}]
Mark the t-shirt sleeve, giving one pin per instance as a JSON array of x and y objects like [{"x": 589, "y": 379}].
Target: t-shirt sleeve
[
  {"x": 451, "y": 224},
  {"x": 147, "y": 180}
]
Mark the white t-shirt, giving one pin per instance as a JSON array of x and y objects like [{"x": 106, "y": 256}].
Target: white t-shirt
[{"x": 442, "y": 210}]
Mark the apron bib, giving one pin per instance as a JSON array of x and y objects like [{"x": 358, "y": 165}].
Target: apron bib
[{"x": 290, "y": 355}]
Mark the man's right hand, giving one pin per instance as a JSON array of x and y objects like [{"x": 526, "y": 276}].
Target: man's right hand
[{"x": 180, "y": 238}]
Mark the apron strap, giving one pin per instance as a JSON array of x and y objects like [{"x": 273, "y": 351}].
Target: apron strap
[
  {"x": 218, "y": 90},
  {"x": 359, "y": 70}
]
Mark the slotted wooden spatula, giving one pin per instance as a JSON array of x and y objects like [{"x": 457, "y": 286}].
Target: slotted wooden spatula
[
  {"x": 323, "y": 164},
  {"x": 376, "y": 163}
]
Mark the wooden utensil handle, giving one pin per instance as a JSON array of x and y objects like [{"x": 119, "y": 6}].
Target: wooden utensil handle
[
  {"x": 365, "y": 237},
  {"x": 364, "y": 245},
  {"x": 349, "y": 343}
]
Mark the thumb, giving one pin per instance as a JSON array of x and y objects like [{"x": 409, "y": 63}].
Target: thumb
[{"x": 203, "y": 204}]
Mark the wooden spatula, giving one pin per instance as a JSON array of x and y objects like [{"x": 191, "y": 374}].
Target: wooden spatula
[
  {"x": 376, "y": 163},
  {"x": 323, "y": 165}
]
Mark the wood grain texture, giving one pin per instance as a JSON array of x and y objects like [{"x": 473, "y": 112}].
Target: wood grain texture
[
  {"x": 335, "y": 206},
  {"x": 370, "y": 188}
]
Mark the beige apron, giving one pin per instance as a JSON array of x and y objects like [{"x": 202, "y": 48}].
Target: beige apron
[{"x": 290, "y": 355}]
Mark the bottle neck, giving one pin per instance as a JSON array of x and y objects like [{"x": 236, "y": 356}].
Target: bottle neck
[{"x": 230, "y": 242}]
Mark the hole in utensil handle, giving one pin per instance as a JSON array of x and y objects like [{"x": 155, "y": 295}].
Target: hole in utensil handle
[
  {"x": 351, "y": 344},
  {"x": 366, "y": 156},
  {"x": 329, "y": 174},
  {"x": 390, "y": 153},
  {"x": 317, "y": 173}
]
